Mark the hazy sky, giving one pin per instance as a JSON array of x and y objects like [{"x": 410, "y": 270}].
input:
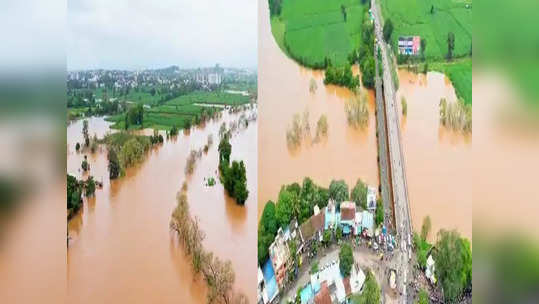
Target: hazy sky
[{"x": 133, "y": 34}]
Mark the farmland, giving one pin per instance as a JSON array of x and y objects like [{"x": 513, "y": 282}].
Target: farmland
[
  {"x": 432, "y": 20},
  {"x": 184, "y": 110},
  {"x": 309, "y": 31},
  {"x": 460, "y": 74}
]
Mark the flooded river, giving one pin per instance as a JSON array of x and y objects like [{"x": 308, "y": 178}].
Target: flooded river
[
  {"x": 347, "y": 153},
  {"x": 121, "y": 248},
  {"x": 438, "y": 160}
]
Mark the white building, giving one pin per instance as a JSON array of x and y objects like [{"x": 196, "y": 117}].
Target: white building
[
  {"x": 371, "y": 198},
  {"x": 215, "y": 78}
]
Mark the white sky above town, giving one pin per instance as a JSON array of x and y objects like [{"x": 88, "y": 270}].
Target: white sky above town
[{"x": 136, "y": 34}]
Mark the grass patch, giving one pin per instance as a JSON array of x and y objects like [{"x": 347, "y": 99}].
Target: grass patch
[{"x": 460, "y": 74}]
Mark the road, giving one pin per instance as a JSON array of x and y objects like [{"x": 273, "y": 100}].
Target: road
[{"x": 396, "y": 163}]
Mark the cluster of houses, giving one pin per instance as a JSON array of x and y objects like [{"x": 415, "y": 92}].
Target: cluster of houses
[{"x": 327, "y": 285}]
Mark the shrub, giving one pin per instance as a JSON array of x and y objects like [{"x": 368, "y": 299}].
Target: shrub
[
  {"x": 404, "y": 105},
  {"x": 357, "y": 112}
]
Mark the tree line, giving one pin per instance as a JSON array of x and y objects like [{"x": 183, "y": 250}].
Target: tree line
[{"x": 218, "y": 275}]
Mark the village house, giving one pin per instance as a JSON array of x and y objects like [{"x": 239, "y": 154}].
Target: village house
[
  {"x": 279, "y": 255},
  {"x": 409, "y": 45},
  {"x": 280, "y": 252},
  {"x": 313, "y": 228},
  {"x": 348, "y": 216},
  {"x": 329, "y": 282}
]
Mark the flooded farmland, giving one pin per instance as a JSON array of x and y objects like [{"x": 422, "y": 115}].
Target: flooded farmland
[
  {"x": 284, "y": 91},
  {"x": 121, "y": 249}
]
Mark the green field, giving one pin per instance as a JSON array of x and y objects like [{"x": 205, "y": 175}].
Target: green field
[
  {"x": 142, "y": 96},
  {"x": 460, "y": 74},
  {"x": 413, "y": 17},
  {"x": 310, "y": 31},
  {"x": 183, "y": 110}
]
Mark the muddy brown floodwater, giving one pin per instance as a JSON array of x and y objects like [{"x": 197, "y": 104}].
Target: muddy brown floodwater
[
  {"x": 121, "y": 248},
  {"x": 347, "y": 153},
  {"x": 438, "y": 160}
]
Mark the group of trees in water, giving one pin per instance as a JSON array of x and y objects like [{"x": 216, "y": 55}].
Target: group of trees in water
[
  {"x": 356, "y": 110},
  {"x": 75, "y": 189},
  {"x": 125, "y": 150},
  {"x": 134, "y": 116},
  {"x": 300, "y": 130},
  {"x": 456, "y": 115},
  {"x": 341, "y": 75},
  {"x": 218, "y": 274},
  {"x": 233, "y": 176}
]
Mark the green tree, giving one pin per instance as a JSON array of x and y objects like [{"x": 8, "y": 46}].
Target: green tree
[
  {"x": 453, "y": 264},
  {"x": 425, "y": 227},
  {"x": 268, "y": 219},
  {"x": 85, "y": 133},
  {"x": 371, "y": 291},
  {"x": 267, "y": 228},
  {"x": 74, "y": 192},
  {"x": 450, "y": 45},
  {"x": 388, "y": 30},
  {"x": 174, "y": 130},
  {"x": 240, "y": 182},
  {"x": 283, "y": 210},
  {"x": 346, "y": 259},
  {"x": 338, "y": 233},
  {"x": 275, "y": 7},
  {"x": 423, "y": 47},
  {"x": 379, "y": 214},
  {"x": 368, "y": 71},
  {"x": 225, "y": 149},
  {"x": 359, "y": 194},
  {"x": 90, "y": 186},
  {"x": 84, "y": 165},
  {"x": 327, "y": 237},
  {"x": 114, "y": 164},
  {"x": 423, "y": 297},
  {"x": 338, "y": 191}
]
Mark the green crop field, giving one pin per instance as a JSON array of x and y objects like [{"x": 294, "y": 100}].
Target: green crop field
[
  {"x": 183, "y": 110},
  {"x": 414, "y": 17},
  {"x": 460, "y": 74},
  {"x": 310, "y": 31}
]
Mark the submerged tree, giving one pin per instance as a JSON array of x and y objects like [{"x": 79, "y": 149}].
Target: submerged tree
[
  {"x": 85, "y": 133},
  {"x": 357, "y": 112},
  {"x": 114, "y": 164}
]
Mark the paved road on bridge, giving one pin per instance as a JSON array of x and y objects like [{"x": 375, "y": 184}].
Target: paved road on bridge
[{"x": 396, "y": 162}]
